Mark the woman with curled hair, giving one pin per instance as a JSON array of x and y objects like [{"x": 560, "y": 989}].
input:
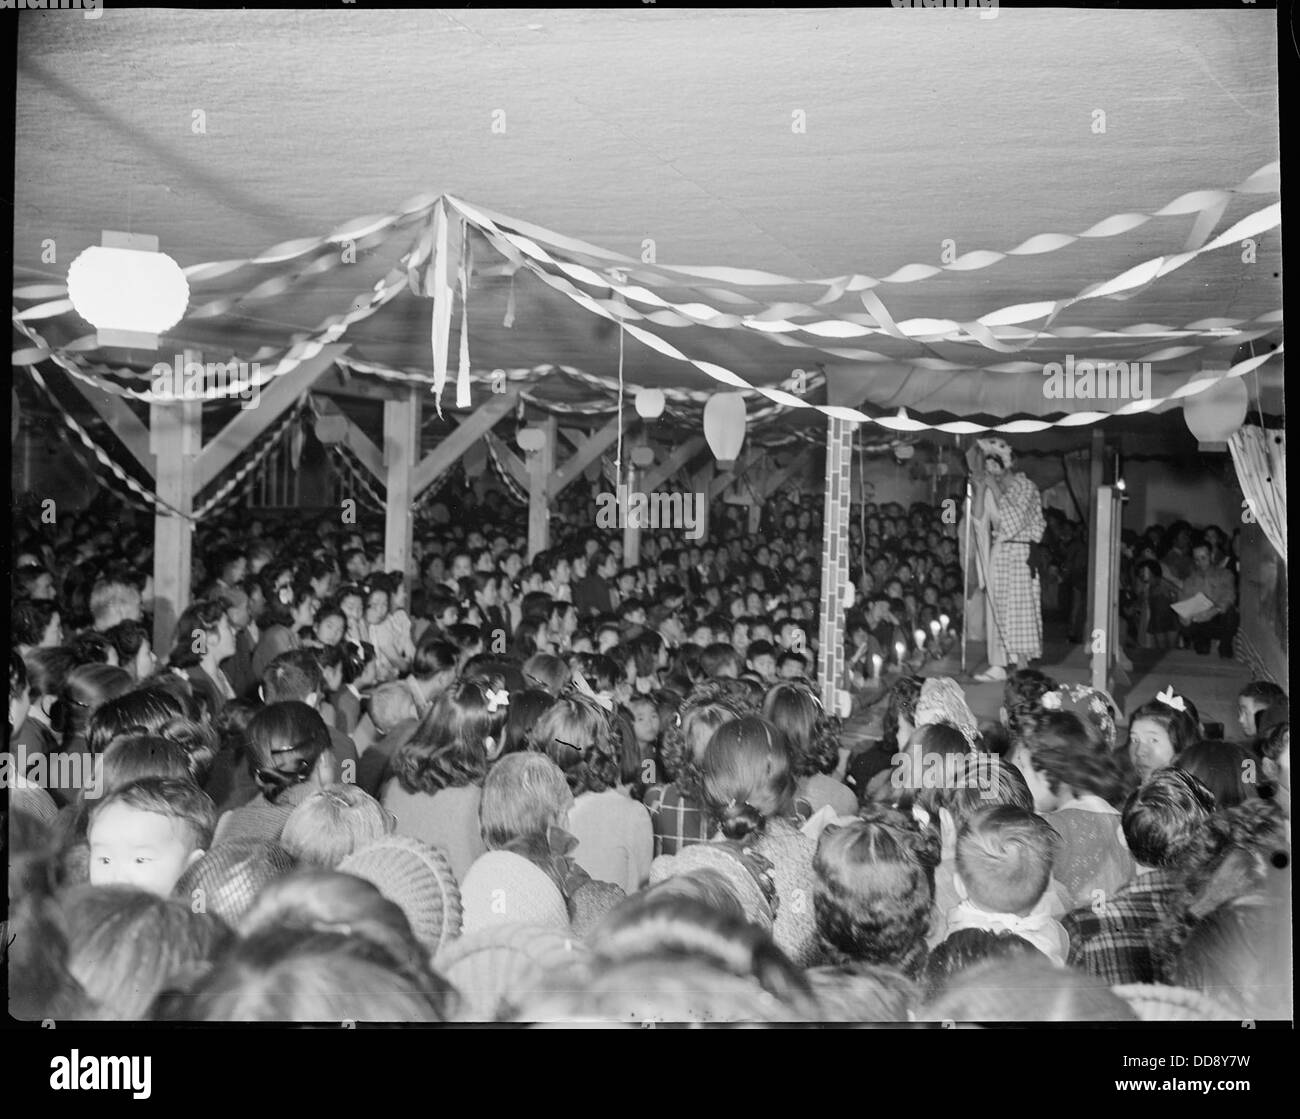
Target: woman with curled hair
[
  {"x": 749, "y": 793},
  {"x": 289, "y": 756},
  {"x": 204, "y": 638},
  {"x": 875, "y": 891},
  {"x": 615, "y": 838},
  {"x": 676, "y": 803},
  {"x": 794, "y": 709},
  {"x": 438, "y": 773}
]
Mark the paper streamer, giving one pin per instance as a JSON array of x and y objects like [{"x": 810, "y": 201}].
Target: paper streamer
[{"x": 440, "y": 290}]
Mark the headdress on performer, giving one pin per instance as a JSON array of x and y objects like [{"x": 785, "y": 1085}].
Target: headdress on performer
[{"x": 996, "y": 448}]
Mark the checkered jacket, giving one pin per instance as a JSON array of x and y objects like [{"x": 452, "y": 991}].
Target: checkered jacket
[{"x": 1112, "y": 939}]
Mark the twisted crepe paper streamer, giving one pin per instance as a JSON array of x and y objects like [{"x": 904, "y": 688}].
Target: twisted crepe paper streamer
[{"x": 159, "y": 505}]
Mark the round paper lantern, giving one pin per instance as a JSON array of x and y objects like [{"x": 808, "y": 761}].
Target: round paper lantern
[
  {"x": 331, "y": 428},
  {"x": 643, "y": 456},
  {"x": 724, "y": 427},
  {"x": 650, "y": 403},
  {"x": 531, "y": 438},
  {"x": 128, "y": 290},
  {"x": 1216, "y": 413},
  {"x": 904, "y": 451}
]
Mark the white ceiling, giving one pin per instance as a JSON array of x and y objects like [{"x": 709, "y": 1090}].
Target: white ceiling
[{"x": 666, "y": 124}]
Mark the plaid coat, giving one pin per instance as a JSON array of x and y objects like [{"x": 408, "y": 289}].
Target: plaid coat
[
  {"x": 1112, "y": 939},
  {"x": 1017, "y": 596}
]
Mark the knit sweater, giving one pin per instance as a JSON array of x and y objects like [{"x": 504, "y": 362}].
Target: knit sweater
[
  {"x": 261, "y": 819},
  {"x": 791, "y": 855},
  {"x": 1092, "y": 856},
  {"x": 447, "y": 819},
  {"x": 615, "y": 840}
]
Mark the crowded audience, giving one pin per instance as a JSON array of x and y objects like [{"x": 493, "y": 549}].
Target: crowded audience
[{"x": 569, "y": 789}]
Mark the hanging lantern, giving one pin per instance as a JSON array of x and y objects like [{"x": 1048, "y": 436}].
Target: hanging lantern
[
  {"x": 650, "y": 403},
  {"x": 724, "y": 427},
  {"x": 904, "y": 451},
  {"x": 531, "y": 438},
  {"x": 1215, "y": 414},
  {"x": 128, "y": 290},
  {"x": 331, "y": 428},
  {"x": 643, "y": 456}
]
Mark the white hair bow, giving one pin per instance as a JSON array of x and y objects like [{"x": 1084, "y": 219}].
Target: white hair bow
[
  {"x": 1169, "y": 699},
  {"x": 496, "y": 700}
]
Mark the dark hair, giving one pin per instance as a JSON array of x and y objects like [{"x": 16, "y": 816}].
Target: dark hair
[
  {"x": 432, "y": 656},
  {"x": 30, "y": 618},
  {"x": 526, "y": 708},
  {"x": 127, "y": 637},
  {"x": 145, "y": 710},
  {"x": 1229, "y": 771},
  {"x": 91, "y": 648},
  {"x": 295, "y": 674},
  {"x": 285, "y": 742},
  {"x": 1005, "y": 857},
  {"x": 1060, "y": 747},
  {"x": 176, "y": 798},
  {"x": 85, "y": 689},
  {"x": 1022, "y": 696},
  {"x": 798, "y": 713},
  {"x": 449, "y": 748},
  {"x": 200, "y": 743},
  {"x": 1162, "y": 816},
  {"x": 1264, "y": 692},
  {"x": 875, "y": 889},
  {"x": 201, "y": 617},
  {"x": 1182, "y": 727},
  {"x": 583, "y": 740},
  {"x": 747, "y": 776},
  {"x": 968, "y": 948},
  {"x": 904, "y": 694}
]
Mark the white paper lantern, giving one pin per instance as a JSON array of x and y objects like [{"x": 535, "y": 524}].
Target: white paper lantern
[
  {"x": 331, "y": 428},
  {"x": 650, "y": 403},
  {"x": 1215, "y": 414},
  {"x": 127, "y": 291},
  {"x": 724, "y": 427},
  {"x": 643, "y": 456},
  {"x": 531, "y": 438}
]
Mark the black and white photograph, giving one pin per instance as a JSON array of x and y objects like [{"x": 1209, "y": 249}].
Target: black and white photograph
[{"x": 649, "y": 517}]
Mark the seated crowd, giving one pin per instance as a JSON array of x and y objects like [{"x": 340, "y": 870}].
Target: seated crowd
[{"x": 567, "y": 790}]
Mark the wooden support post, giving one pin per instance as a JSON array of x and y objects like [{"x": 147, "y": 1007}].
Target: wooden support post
[
  {"x": 662, "y": 472},
  {"x": 401, "y": 452},
  {"x": 1097, "y": 472},
  {"x": 1101, "y": 638},
  {"x": 835, "y": 560},
  {"x": 175, "y": 439},
  {"x": 541, "y": 465}
]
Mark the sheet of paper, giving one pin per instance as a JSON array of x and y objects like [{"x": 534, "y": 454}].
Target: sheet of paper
[{"x": 1190, "y": 607}]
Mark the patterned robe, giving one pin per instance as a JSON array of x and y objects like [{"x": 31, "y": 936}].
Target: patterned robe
[{"x": 1016, "y": 625}]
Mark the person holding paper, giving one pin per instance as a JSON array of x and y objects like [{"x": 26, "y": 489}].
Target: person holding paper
[{"x": 1219, "y": 620}]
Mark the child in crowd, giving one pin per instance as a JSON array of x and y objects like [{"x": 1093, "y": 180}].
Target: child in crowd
[
  {"x": 1159, "y": 731},
  {"x": 1004, "y": 865},
  {"x": 146, "y": 834},
  {"x": 1254, "y": 698}
]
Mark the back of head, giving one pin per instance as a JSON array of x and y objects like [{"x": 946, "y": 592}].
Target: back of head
[
  {"x": 1063, "y": 748},
  {"x": 228, "y": 878},
  {"x": 285, "y": 741},
  {"x": 130, "y": 757},
  {"x": 127, "y": 946},
  {"x": 875, "y": 889},
  {"x": 1161, "y": 818},
  {"x": 391, "y": 704},
  {"x": 524, "y": 794},
  {"x": 85, "y": 689},
  {"x": 970, "y": 948},
  {"x": 1228, "y": 770},
  {"x": 1027, "y": 990},
  {"x": 332, "y": 823},
  {"x": 666, "y": 926},
  {"x": 797, "y": 712},
  {"x": 1005, "y": 857},
  {"x": 583, "y": 740},
  {"x": 294, "y": 675},
  {"x": 449, "y": 749},
  {"x": 143, "y": 710},
  {"x": 747, "y": 776},
  {"x": 291, "y": 976},
  {"x": 544, "y": 670}
]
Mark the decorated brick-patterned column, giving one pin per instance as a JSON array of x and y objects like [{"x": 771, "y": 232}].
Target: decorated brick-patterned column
[{"x": 835, "y": 558}]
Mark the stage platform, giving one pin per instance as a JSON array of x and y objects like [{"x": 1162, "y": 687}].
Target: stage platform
[{"x": 1210, "y": 682}]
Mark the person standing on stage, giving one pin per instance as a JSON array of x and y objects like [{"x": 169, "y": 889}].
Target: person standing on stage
[{"x": 1008, "y": 507}]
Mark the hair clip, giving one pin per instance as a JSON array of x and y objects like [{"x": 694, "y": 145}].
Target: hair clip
[
  {"x": 571, "y": 745},
  {"x": 920, "y": 815},
  {"x": 286, "y": 596},
  {"x": 1170, "y": 699},
  {"x": 496, "y": 699}
]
